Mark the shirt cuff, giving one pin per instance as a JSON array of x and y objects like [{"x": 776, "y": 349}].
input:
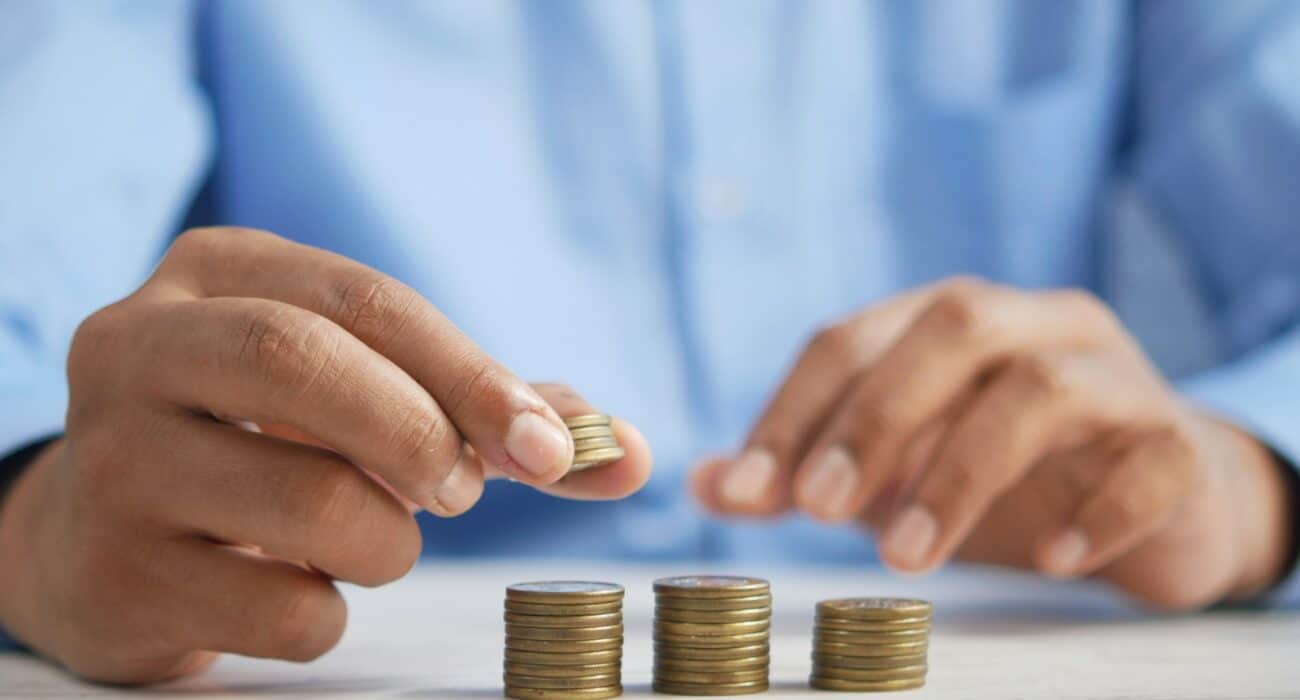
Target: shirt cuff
[{"x": 1258, "y": 394}]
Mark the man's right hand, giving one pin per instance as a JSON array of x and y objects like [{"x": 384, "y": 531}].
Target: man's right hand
[{"x": 162, "y": 530}]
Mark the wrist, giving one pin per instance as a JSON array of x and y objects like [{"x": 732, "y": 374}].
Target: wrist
[
  {"x": 1264, "y": 508},
  {"x": 20, "y": 513}
]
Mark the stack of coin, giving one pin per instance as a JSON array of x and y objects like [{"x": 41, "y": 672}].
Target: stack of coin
[
  {"x": 864, "y": 644},
  {"x": 564, "y": 640},
  {"x": 594, "y": 443},
  {"x": 711, "y": 635}
]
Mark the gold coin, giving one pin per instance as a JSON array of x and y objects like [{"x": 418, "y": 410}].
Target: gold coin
[
  {"x": 710, "y": 688},
  {"x": 710, "y": 641},
  {"x": 710, "y": 677},
  {"x": 763, "y": 600},
  {"x": 741, "y": 664},
  {"x": 539, "y": 682},
  {"x": 587, "y": 420},
  {"x": 705, "y": 586},
  {"x": 670, "y": 651},
  {"x": 601, "y": 620},
  {"x": 874, "y": 608},
  {"x": 869, "y": 638},
  {"x": 908, "y": 623},
  {"x": 594, "y": 443},
  {"x": 565, "y": 592},
  {"x": 555, "y": 646},
  {"x": 869, "y": 662},
  {"x": 565, "y": 659},
  {"x": 598, "y": 455},
  {"x": 822, "y": 683},
  {"x": 543, "y": 671},
  {"x": 566, "y": 694},
  {"x": 858, "y": 674},
  {"x": 515, "y": 606},
  {"x": 894, "y": 649},
  {"x": 717, "y": 616},
  {"x": 592, "y": 431},
  {"x": 708, "y": 630},
  {"x": 564, "y": 633}
]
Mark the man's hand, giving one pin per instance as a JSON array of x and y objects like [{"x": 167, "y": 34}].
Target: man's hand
[
  {"x": 1021, "y": 428},
  {"x": 162, "y": 529}
]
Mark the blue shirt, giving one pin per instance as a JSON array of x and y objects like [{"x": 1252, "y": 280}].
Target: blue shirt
[{"x": 658, "y": 202}]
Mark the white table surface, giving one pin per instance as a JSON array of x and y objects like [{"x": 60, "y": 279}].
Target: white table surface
[{"x": 438, "y": 634}]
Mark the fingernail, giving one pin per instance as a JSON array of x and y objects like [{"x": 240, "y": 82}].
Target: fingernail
[
  {"x": 910, "y": 537},
  {"x": 828, "y": 490},
  {"x": 536, "y": 445},
  {"x": 458, "y": 491},
  {"x": 1065, "y": 553},
  {"x": 749, "y": 477}
]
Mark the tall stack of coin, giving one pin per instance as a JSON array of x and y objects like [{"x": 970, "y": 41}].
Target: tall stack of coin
[
  {"x": 594, "y": 443},
  {"x": 864, "y": 644},
  {"x": 711, "y": 635},
  {"x": 564, "y": 640}
]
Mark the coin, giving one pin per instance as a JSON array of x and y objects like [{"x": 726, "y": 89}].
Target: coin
[
  {"x": 870, "y": 638},
  {"x": 907, "y": 623},
  {"x": 710, "y": 641},
  {"x": 724, "y": 653},
  {"x": 543, "y": 671},
  {"x": 566, "y": 694},
  {"x": 587, "y": 420},
  {"x": 563, "y": 646},
  {"x": 562, "y": 683},
  {"x": 857, "y": 674},
  {"x": 740, "y": 664},
  {"x": 714, "y": 604},
  {"x": 891, "y": 649},
  {"x": 710, "y": 689},
  {"x": 559, "y": 609},
  {"x": 564, "y": 633},
  {"x": 717, "y": 616},
  {"x": 708, "y": 586},
  {"x": 710, "y": 677},
  {"x": 591, "y": 431},
  {"x": 565, "y": 592},
  {"x": 594, "y": 443},
  {"x": 823, "y": 683},
  {"x": 874, "y": 608},
  {"x": 709, "y": 630},
  {"x": 569, "y": 659},
  {"x": 598, "y": 455},
  {"x": 601, "y": 620},
  {"x": 869, "y": 662}
]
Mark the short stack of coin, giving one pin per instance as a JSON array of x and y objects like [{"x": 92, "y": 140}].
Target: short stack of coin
[
  {"x": 594, "y": 443},
  {"x": 868, "y": 644},
  {"x": 711, "y": 635},
  {"x": 564, "y": 640}
]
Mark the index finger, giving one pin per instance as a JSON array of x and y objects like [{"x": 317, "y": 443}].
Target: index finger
[{"x": 509, "y": 425}]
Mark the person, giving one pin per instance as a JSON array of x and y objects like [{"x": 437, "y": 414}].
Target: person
[{"x": 1051, "y": 248}]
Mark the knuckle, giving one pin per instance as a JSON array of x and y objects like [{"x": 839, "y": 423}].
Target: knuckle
[
  {"x": 879, "y": 418},
  {"x": 374, "y": 307},
  {"x": 93, "y": 342},
  {"x": 477, "y": 382},
  {"x": 835, "y": 344},
  {"x": 1039, "y": 375},
  {"x": 420, "y": 434},
  {"x": 285, "y": 348},
  {"x": 332, "y": 502},
  {"x": 954, "y": 482},
  {"x": 308, "y": 623},
  {"x": 957, "y": 314}
]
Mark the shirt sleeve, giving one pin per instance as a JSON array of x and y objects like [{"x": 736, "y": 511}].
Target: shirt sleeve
[
  {"x": 1217, "y": 158},
  {"x": 105, "y": 140}
]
